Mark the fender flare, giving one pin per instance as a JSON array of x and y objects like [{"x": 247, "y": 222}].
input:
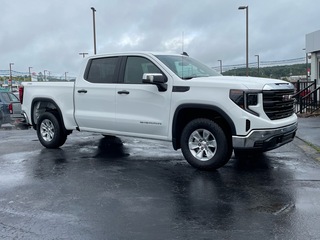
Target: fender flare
[
  {"x": 219, "y": 111},
  {"x": 51, "y": 101}
]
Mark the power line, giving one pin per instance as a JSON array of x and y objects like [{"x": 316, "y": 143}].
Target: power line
[{"x": 263, "y": 63}]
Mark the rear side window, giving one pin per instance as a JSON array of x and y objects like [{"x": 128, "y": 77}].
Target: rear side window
[
  {"x": 13, "y": 97},
  {"x": 102, "y": 70}
]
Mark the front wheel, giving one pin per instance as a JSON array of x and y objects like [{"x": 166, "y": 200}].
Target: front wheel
[
  {"x": 49, "y": 131},
  {"x": 205, "y": 145}
]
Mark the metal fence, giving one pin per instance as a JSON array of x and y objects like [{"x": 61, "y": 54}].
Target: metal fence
[{"x": 306, "y": 97}]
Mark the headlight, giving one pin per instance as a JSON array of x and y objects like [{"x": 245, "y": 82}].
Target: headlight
[
  {"x": 252, "y": 99},
  {"x": 244, "y": 99}
]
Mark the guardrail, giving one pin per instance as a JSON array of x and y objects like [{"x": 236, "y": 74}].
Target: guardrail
[{"x": 306, "y": 97}]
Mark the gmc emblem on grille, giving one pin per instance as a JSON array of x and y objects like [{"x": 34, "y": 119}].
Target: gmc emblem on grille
[{"x": 286, "y": 97}]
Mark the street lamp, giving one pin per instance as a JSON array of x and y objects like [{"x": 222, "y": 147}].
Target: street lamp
[
  {"x": 10, "y": 78},
  {"x": 94, "y": 30},
  {"x": 258, "y": 64},
  {"x": 83, "y": 54},
  {"x": 247, "y": 38},
  {"x": 220, "y": 66}
]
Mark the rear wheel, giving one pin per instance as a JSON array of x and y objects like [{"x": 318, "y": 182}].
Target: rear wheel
[
  {"x": 50, "y": 132},
  {"x": 205, "y": 145}
]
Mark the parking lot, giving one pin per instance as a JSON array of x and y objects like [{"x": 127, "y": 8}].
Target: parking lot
[{"x": 123, "y": 188}]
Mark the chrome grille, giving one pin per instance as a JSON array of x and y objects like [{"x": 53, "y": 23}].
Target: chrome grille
[{"x": 278, "y": 104}]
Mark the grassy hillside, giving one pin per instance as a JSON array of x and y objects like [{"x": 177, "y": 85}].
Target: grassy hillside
[{"x": 274, "y": 72}]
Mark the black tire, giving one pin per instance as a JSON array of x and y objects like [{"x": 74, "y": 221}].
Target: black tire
[
  {"x": 50, "y": 132},
  {"x": 205, "y": 145}
]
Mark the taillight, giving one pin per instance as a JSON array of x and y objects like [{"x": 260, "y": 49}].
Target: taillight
[
  {"x": 21, "y": 94},
  {"x": 10, "y": 108}
]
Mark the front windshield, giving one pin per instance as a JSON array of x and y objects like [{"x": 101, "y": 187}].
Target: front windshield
[{"x": 186, "y": 67}]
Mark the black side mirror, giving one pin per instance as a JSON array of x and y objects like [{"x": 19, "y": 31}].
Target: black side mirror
[{"x": 157, "y": 79}]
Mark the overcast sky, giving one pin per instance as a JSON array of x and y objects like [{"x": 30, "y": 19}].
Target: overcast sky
[{"x": 50, "y": 34}]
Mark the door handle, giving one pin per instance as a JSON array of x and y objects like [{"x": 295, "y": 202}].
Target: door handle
[
  {"x": 123, "y": 92},
  {"x": 82, "y": 91}
]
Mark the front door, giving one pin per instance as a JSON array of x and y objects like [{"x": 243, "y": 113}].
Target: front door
[{"x": 141, "y": 108}]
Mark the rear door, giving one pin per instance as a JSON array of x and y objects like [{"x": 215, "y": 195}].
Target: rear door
[{"x": 94, "y": 95}]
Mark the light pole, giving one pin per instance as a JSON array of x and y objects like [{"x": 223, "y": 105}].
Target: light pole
[
  {"x": 247, "y": 37},
  {"x": 306, "y": 64},
  {"x": 94, "y": 30},
  {"x": 83, "y": 54},
  {"x": 10, "y": 78},
  {"x": 30, "y": 73},
  {"x": 220, "y": 66},
  {"x": 258, "y": 64}
]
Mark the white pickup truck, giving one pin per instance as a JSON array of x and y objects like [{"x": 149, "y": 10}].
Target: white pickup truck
[{"x": 167, "y": 97}]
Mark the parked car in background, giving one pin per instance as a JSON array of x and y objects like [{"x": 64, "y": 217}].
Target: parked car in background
[{"x": 10, "y": 108}]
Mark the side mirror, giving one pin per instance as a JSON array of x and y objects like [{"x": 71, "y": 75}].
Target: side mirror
[{"x": 157, "y": 79}]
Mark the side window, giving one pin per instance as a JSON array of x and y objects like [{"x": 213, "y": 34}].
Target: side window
[
  {"x": 136, "y": 67},
  {"x": 102, "y": 70},
  {"x": 6, "y": 97}
]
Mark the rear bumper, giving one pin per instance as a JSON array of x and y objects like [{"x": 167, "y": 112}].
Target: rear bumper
[
  {"x": 265, "y": 139},
  {"x": 18, "y": 120}
]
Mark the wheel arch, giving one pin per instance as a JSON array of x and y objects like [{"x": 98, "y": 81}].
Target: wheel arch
[
  {"x": 187, "y": 112},
  {"x": 41, "y": 105}
]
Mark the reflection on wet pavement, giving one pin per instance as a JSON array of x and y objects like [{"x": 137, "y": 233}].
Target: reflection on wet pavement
[{"x": 99, "y": 187}]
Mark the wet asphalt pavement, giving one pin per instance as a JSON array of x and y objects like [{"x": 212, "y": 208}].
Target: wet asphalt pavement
[{"x": 98, "y": 188}]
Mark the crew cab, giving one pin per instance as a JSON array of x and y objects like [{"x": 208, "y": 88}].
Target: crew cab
[{"x": 168, "y": 97}]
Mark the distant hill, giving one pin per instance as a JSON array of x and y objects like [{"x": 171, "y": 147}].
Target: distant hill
[{"x": 277, "y": 72}]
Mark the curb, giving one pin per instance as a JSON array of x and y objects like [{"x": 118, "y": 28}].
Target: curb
[{"x": 309, "y": 147}]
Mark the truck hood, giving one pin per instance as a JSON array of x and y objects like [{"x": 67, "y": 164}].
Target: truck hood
[{"x": 234, "y": 82}]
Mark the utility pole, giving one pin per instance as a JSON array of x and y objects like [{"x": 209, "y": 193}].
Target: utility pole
[
  {"x": 247, "y": 37},
  {"x": 258, "y": 64},
  {"x": 94, "y": 30},
  {"x": 44, "y": 73},
  {"x": 307, "y": 77},
  {"x": 10, "y": 78},
  {"x": 30, "y": 73}
]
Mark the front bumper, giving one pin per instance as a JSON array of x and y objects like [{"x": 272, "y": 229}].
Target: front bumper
[{"x": 265, "y": 139}]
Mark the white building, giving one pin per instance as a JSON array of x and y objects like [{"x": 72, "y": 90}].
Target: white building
[{"x": 313, "y": 47}]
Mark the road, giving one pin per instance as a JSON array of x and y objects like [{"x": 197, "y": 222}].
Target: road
[{"x": 100, "y": 188}]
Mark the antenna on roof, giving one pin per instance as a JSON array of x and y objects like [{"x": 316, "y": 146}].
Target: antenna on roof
[
  {"x": 182, "y": 46},
  {"x": 182, "y": 42}
]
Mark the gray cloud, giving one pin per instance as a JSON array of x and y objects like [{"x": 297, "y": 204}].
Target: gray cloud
[{"x": 49, "y": 35}]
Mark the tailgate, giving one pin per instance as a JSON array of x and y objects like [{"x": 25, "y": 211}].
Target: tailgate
[{"x": 16, "y": 108}]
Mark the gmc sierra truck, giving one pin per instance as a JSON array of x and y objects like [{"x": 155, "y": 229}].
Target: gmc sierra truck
[{"x": 167, "y": 97}]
